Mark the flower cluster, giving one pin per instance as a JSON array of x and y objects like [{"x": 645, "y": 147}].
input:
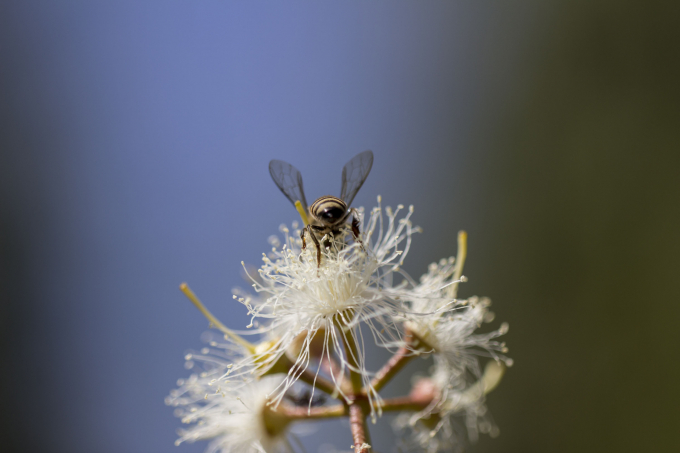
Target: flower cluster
[{"x": 313, "y": 320}]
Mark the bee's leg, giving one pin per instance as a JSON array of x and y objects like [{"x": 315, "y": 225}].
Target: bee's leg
[
  {"x": 302, "y": 236},
  {"x": 318, "y": 248},
  {"x": 304, "y": 243},
  {"x": 355, "y": 230}
]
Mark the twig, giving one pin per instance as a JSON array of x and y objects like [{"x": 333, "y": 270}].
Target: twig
[
  {"x": 396, "y": 362},
  {"x": 357, "y": 424},
  {"x": 305, "y": 413},
  {"x": 405, "y": 403}
]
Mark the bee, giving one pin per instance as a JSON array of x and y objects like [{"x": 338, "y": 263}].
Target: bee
[{"x": 328, "y": 214}]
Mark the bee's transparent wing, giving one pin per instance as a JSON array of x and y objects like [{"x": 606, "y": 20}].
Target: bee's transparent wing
[
  {"x": 354, "y": 174},
  {"x": 289, "y": 180}
]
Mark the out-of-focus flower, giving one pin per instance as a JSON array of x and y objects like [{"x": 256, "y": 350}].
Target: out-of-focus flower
[
  {"x": 435, "y": 430},
  {"x": 445, "y": 327},
  {"x": 451, "y": 336},
  {"x": 237, "y": 421}
]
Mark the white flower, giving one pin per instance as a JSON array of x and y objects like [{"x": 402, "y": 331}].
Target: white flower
[
  {"x": 451, "y": 337},
  {"x": 446, "y": 325},
  {"x": 237, "y": 420},
  {"x": 299, "y": 300},
  {"x": 434, "y": 429}
]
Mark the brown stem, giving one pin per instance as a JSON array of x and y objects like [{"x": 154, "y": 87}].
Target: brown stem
[
  {"x": 306, "y": 413},
  {"x": 405, "y": 403},
  {"x": 392, "y": 367},
  {"x": 396, "y": 362},
  {"x": 357, "y": 424}
]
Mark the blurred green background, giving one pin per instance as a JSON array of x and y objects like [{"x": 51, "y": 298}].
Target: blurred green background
[
  {"x": 134, "y": 141},
  {"x": 582, "y": 181}
]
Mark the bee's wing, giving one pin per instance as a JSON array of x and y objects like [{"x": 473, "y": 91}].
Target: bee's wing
[
  {"x": 354, "y": 174},
  {"x": 289, "y": 180}
]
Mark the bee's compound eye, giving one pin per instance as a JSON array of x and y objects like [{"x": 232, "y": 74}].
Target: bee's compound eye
[{"x": 333, "y": 213}]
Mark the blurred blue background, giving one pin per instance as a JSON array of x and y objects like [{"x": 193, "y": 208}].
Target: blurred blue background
[{"x": 134, "y": 143}]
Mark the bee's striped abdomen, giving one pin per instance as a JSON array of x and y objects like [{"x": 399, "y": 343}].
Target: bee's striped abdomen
[{"x": 328, "y": 209}]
